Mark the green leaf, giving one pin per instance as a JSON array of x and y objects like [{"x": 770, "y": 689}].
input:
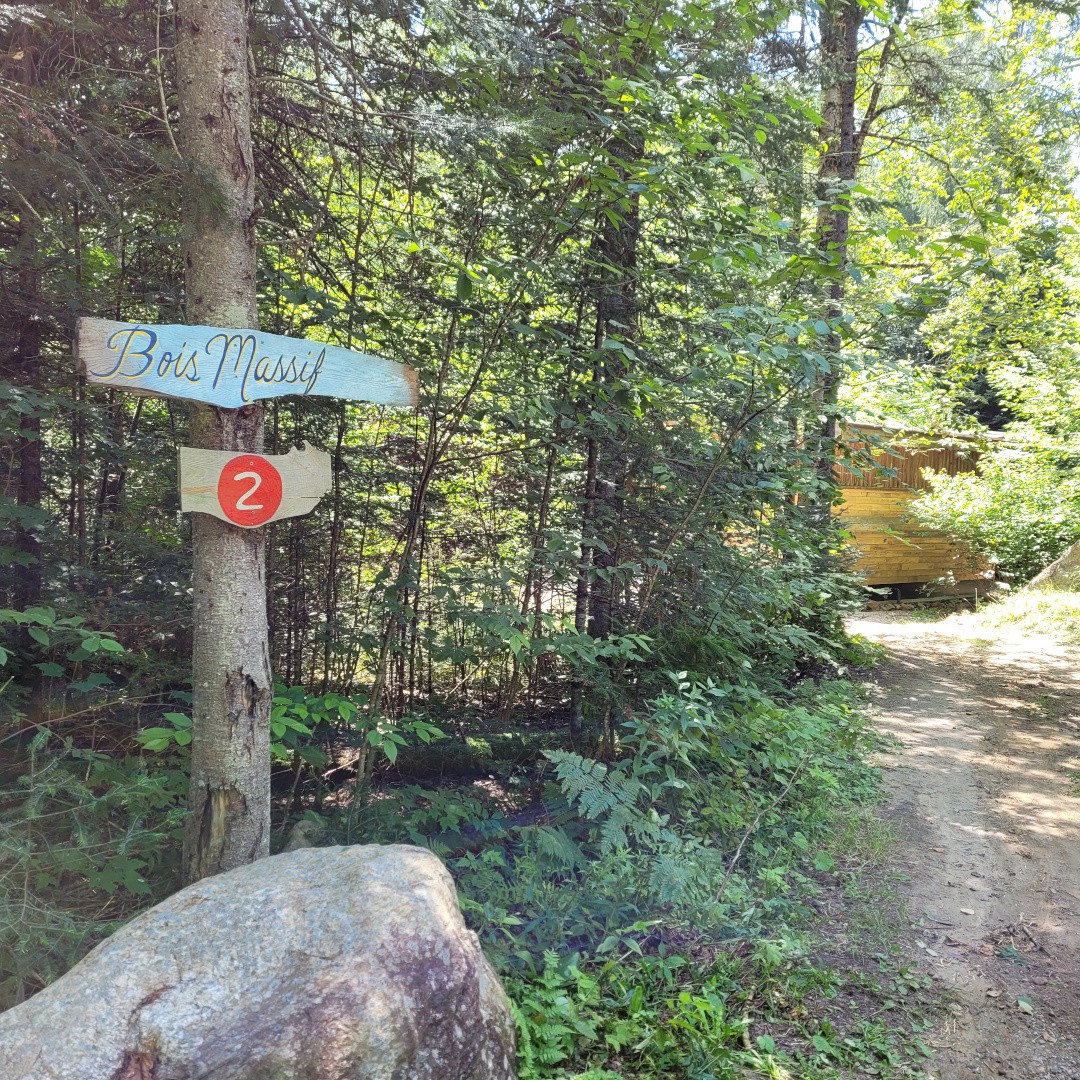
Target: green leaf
[
  {"x": 111, "y": 645},
  {"x": 313, "y": 756},
  {"x": 155, "y": 738},
  {"x": 156, "y": 733},
  {"x": 824, "y": 861},
  {"x": 464, "y": 286},
  {"x": 39, "y": 635}
]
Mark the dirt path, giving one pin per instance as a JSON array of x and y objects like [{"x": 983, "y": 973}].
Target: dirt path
[{"x": 986, "y": 790}]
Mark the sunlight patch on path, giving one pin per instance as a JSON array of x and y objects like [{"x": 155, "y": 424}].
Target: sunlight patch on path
[{"x": 988, "y": 729}]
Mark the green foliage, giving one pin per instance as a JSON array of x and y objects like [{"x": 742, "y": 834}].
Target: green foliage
[
  {"x": 648, "y": 839},
  {"x": 58, "y": 651},
  {"x": 177, "y": 734},
  {"x": 1049, "y": 611},
  {"x": 308, "y": 725},
  {"x": 86, "y": 838},
  {"x": 1021, "y": 510},
  {"x": 662, "y": 1015},
  {"x": 556, "y": 1012}
]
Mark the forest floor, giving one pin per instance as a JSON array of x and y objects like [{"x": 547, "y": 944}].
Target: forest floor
[{"x": 984, "y": 785}]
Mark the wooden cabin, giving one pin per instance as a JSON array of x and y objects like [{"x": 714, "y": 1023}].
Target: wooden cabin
[{"x": 892, "y": 549}]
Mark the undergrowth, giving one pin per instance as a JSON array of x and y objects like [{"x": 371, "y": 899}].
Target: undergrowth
[
  {"x": 656, "y": 916},
  {"x": 669, "y": 910}
]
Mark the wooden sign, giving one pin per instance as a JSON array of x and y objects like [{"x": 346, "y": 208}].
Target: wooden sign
[
  {"x": 232, "y": 368},
  {"x": 252, "y": 489}
]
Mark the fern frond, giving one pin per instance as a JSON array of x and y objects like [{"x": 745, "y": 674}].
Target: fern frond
[{"x": 553, "y": 844}]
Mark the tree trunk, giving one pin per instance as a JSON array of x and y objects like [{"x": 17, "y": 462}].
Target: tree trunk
[
  {"x": 232, "y": 686},
  {"x": 840, "y": 23},
  {"x": 26, "y": 363},
  {"x": 616, "y": 317},
  {"x": 24, "y": 329}
]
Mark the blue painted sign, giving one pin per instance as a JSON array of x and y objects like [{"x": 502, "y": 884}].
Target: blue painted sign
[{"x": 232, "y": 368}]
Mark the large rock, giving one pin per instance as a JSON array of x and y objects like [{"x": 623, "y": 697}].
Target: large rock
[
  {"x": 1062, "y": 573},
  {"x": 323, "y": 964}
]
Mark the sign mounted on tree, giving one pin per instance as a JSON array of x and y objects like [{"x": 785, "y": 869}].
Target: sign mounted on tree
[
  {"x": 252, "y": 489},
  {"x": 232, "y": 368}
]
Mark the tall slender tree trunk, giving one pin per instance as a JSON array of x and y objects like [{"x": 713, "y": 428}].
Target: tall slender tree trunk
[
  {"x": 581, "y": 588},
  {"x": 840, "y": 22},
  {"x": 26, "y": 364},
  {"x": 230, "y": 760},
  {"x": 24, "y": 330},
  {"x": 617, "y": 316}
]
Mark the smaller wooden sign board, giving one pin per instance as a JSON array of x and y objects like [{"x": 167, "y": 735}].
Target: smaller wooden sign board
[
  {"x": 233, "y": 368},
  {"x": 250, "y": 490}
]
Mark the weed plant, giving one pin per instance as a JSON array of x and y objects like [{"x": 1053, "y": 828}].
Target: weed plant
[
  {"x": 649, "y": 911},
  {"x": 1054, "y": 612},
  {"x": 651, "y": 923},
  {"x": 86, "y": 840}
]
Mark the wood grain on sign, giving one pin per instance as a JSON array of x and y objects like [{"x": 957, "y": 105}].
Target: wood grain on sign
[
  {"x": 232, "y": 368},
  {"x": 252, "y": 489}
]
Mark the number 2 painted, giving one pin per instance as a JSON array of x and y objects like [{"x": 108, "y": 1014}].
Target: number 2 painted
[
  {"x": 242, "y": 503},
  {"x": 243, "y": 479}
]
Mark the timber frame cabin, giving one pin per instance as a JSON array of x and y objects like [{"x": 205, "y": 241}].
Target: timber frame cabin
[{"x": 891, "y": 549}]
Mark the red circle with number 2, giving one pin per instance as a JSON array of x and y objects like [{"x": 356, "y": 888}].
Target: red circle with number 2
[{"x": 249, "y": 490}]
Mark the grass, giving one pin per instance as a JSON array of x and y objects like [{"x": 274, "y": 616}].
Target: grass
[{"x": 1053, "y": 612}]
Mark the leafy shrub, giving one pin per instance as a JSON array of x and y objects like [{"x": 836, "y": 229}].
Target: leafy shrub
[
  {"x": 85, "y": 840},
  {"x": 305, "y": 724},
  {"x": 86, "y": 837},
  {"x": 1022, "y": 509},
  {"x": 58, "y": 652},
  {"x": 627, "y": 849}
]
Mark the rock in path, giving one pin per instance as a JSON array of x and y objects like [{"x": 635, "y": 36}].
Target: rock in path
[{"x": 323, "y": 964}]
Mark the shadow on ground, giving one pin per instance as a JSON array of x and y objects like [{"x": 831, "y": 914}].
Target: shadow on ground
[{"x": 985, "y": 784}]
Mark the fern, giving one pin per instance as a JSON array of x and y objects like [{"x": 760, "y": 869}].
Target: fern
[
  {"x": 551, "y": 1017},
  {"x": 554, "y": 845},
  {"x": 582, "y": 781},
  {"x": 593, "y": 789}
]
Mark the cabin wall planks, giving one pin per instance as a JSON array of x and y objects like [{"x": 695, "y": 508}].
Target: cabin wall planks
[
  {"x": 892, "y": 548},
  {"x": 906, "y": 456},
  {"x": 232, "y": 368}
]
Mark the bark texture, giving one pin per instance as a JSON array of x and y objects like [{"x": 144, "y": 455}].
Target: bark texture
[
  {"x": 232, "y": 684},
  {"x": 840, "y": 22}
]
